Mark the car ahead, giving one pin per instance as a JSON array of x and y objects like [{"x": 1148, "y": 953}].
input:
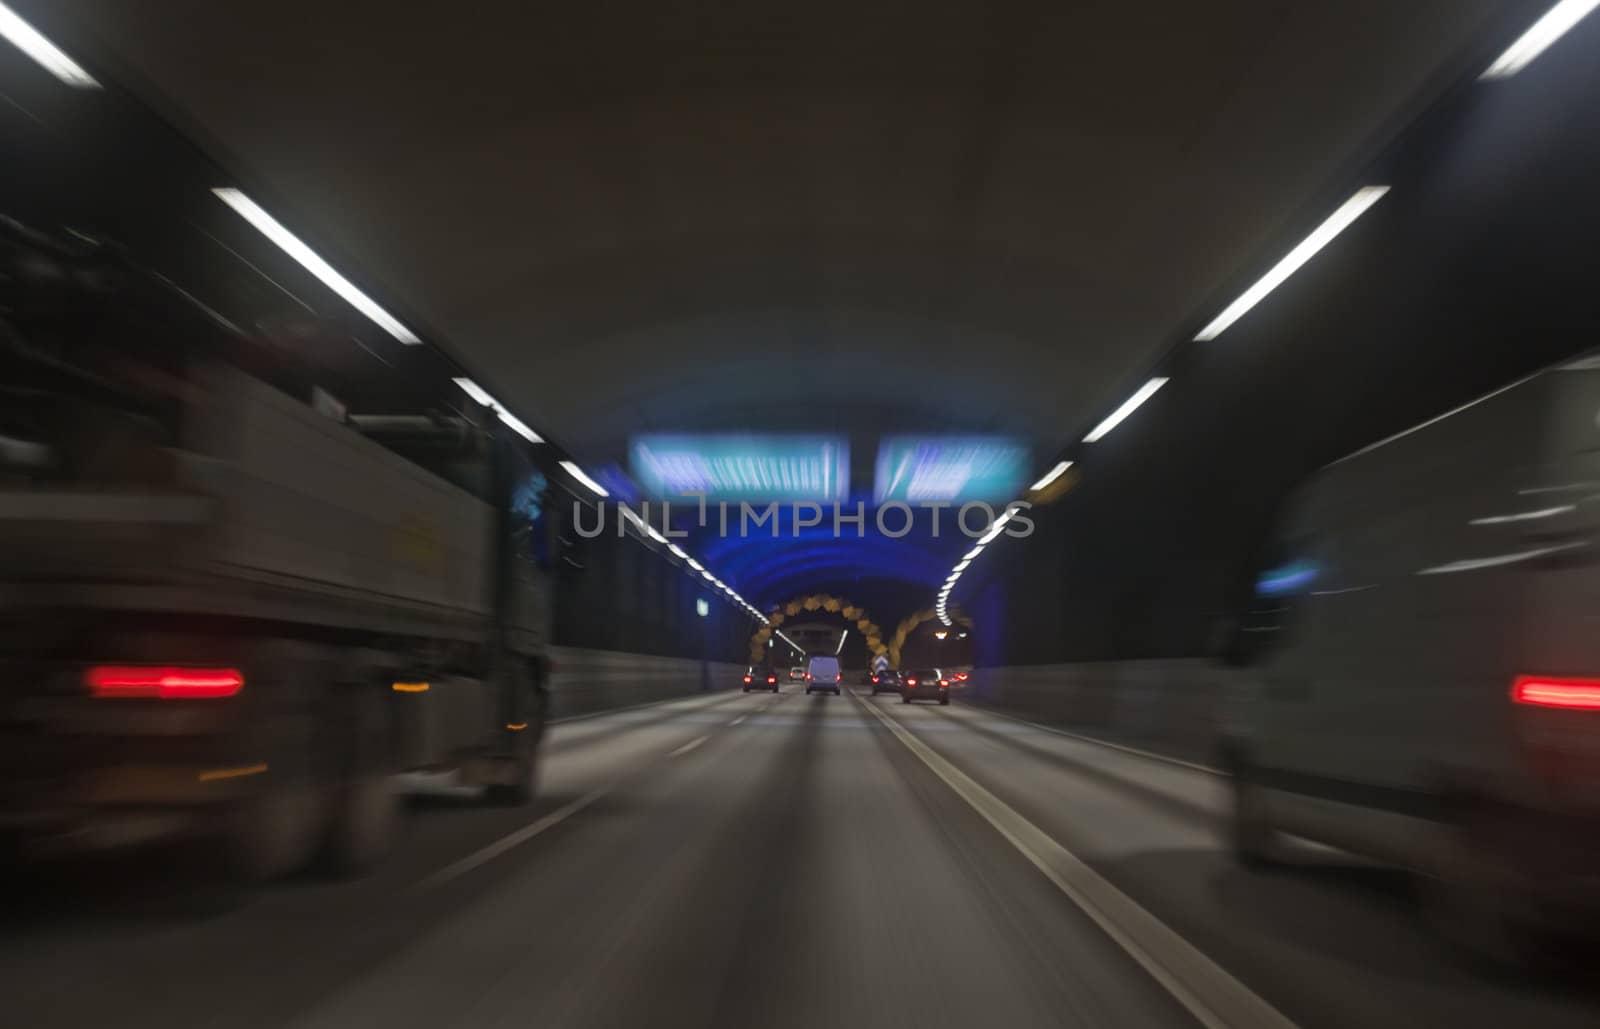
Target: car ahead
[
  {"x": 925, "y": 684},
  {"x": 797, "y": 673},
  {"x": 758, "y": 678},
  {"x": 1417, "y": 679},
  {"x": 822, "y": 675},
  {"x": 886, "y": 681}
]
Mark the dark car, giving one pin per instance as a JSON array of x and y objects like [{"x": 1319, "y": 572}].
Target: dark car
[
  {"x": 758, "y": 678},
  {"x": 925, "y": 684},
  {"x": 886, "y": 681}
]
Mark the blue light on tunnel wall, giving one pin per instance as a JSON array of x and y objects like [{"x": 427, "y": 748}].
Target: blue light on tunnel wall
[
  {"x": 1289, "y": 578},
  {"x": 770, "y": 570}
]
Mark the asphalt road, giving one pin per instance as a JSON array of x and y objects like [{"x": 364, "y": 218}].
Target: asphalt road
[{"x": 752, "y": 860}]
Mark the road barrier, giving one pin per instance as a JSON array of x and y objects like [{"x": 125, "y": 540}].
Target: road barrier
[
  {"x": 1170, "y": 705},
  {"x": 583, "y": 681}
]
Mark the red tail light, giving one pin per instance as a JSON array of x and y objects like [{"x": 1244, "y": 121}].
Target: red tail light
[
  {"x": 747, "y": 678},
  {"x": 837, "y": 677},
  {"x": 911, "y": 682},
  {"x": 1573, "y": 694},
  {"x": 772, "y": 679},
  {"x": 166, "y": 683},
  {"x": 943, "y": 683}
]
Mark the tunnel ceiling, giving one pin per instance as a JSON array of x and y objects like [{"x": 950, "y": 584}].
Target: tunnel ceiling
[{"x": 645, "y": 216}]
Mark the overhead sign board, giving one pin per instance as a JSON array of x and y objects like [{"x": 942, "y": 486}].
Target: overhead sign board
[
  {"x": 743, "y": 467},
  {"x": 951, "y": 468}
]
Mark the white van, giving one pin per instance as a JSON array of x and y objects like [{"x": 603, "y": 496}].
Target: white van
[
  {"x": 822, "y": 675},
  {"x": 1419, "y": 674}
]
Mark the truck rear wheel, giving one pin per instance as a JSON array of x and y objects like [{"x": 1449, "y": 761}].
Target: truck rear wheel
[
  {"x": 271, "y": 833},
  {"x": 524, "y": 786},
  {"x": 366, "y": 808},
  {"x": 270, "y": 830}
]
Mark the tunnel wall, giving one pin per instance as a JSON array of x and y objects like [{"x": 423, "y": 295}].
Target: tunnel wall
[
  {"x": 619, "y": 594},
  {"x": 1171, "y": 706},
  {"x": 583, "y": 681},
  {"x": 1475, "y": 270}
]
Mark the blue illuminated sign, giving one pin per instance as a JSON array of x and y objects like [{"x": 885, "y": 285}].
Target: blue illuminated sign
[
  {"x": 756, "y": 468},
  {"x": 951, "y": 468}
]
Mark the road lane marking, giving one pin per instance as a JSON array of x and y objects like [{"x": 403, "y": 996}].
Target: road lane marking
[
  {"x": 556, "y": 817},
  {"x": 505, "y": 843},
  {"x": 736, "y": 721},
  {"x": 1207, "y": 990},
  {"x": 689, "y": 746}
]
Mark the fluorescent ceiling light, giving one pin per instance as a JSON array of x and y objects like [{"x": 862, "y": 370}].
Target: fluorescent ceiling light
[
  {"x": 1055, "y": 473},
  {"x": 1115, "y": 418},
  {"x": 29, "y": 40},
  {"x": 654, "y": 533},
  {"x": 1533, "y": 42},
  {"x": 578, "y": 473},
  {"x": 291, "y": 244},
  {"x": 962, "y": 566},
  {"x": 677, "y": 550},
  {"x": 476, "y": 392},
  {"x": 974, "y": 552},
  {"x": 707, "y": 575},
  {"x": 481, "y": 395},
  {"x": 517, "y": 426},
  {"x": 840, "y": 647},
  {"x": 1320, "y": 237},
  {"x": 696, "y": 565}
]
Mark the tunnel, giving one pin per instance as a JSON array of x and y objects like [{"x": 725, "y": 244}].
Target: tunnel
[{"x": 441, "y": 447}]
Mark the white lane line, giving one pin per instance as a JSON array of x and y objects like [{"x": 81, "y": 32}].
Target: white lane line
[
  {"x": 736, "y": 721},
  {"x": 1148, "y": 755},
  {"x": 505, "y": 843},
  {"x": 689, "y": 746},
  {"x": 1207, "y": 990}
]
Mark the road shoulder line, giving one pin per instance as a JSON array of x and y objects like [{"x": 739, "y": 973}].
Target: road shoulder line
[{"x": 1208, "y": 991}]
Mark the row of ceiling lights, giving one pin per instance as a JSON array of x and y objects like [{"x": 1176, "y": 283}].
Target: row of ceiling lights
[
  {"x": 33, "y": 43},
  {"x": 1555, "y": 23},
  {"x": 1544, "y": 32}
]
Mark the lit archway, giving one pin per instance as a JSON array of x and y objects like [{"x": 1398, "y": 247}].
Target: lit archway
[
  {"x": 909, "y": 624},
  {"x": 850, "y": 612}
]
